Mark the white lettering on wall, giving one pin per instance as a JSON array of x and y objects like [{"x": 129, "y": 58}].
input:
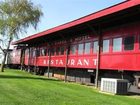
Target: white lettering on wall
[
  {"x": 86, "y": 62},
  {"x": 52, "y": 62},
  {"x": 79, "y": 62},
  {"x": 45, "y": 62},
  {"x": 72, "y": 62},
  {"x": 61, "y": 62},
  {"x": 56, "y": 62},
  {"x": 95, "y": 61},
  {"x": 69, "y": 62}
]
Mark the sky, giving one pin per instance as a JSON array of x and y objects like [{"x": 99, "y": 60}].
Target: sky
[{"x": 57, "y": 12}]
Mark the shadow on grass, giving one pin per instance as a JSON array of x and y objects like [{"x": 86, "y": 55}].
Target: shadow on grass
[
  {"x": 133, "y": 93},
  {"x": 26, "y": 77}
]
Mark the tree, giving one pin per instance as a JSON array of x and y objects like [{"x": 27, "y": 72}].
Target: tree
[{"x": 15, "y": 17}]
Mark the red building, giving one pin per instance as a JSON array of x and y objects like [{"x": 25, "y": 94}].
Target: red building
[{"x": 106, "y": 43}]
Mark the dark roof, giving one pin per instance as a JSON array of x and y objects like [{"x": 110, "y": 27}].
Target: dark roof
[{"x": 94, "y": 16}]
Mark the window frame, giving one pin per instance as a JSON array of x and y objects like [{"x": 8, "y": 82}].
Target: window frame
[
  {"x": 75, "y": 49},
  {"x": 60, "y": 53},
  {"x": 78, "y": 49},
  {"x": 53, "y": 49},
  {"x": 93, "y": 46},
  {"x": 57, "y": 53},
  {"x": 38, "y": 52},
  {"x": 108, "y": 46},
  {"x": 113, "y": 43},
  {"x": 45, "y": 52},
  {"x": 90, "y": 47},
  {"x": 133, "y": 43}
]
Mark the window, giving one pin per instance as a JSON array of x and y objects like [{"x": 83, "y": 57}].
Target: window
[
  {"x": 87, "y": 48},
  {"x": 129, "y": 43},
  {"x": 34, "y": 52},
  {"x": 117, "y": 44},
  {"x": 46, "y": 52},
  {"x": 80, "y": 48},
  {"x": 95, "y": 46},
  {"x": 62, "y": 51},
  {"x": 57, "y": 50},
  {"x": 49, "y": 52},
  {"x": 37, "y": 52},
  {"x": 106, "y": 45},
  {"x": 73, "y": 49},
  {"x": 52, "y": 51},
  {"x": 43, "y": 51},
  {"x": 27, "y": 52}
]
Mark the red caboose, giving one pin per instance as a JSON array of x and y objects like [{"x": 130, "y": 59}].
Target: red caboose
[{"x": 14, "y": 58}]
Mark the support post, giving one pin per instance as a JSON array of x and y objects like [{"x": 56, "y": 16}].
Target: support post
[
  {"x": 35, "y": 61},
  {"x": 49, "y": 54},
  {"x": 97, "y": 68},
  {"x": 29, "y": 60},
  {"x": 98, "y": 58},
  {"x": 66, "y": 65},
  {"x": 22, "y": 58},
  {"x": 122, "y": 74}
]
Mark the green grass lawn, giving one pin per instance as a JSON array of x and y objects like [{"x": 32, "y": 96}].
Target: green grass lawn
[{"x": 22, "y": 88}]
